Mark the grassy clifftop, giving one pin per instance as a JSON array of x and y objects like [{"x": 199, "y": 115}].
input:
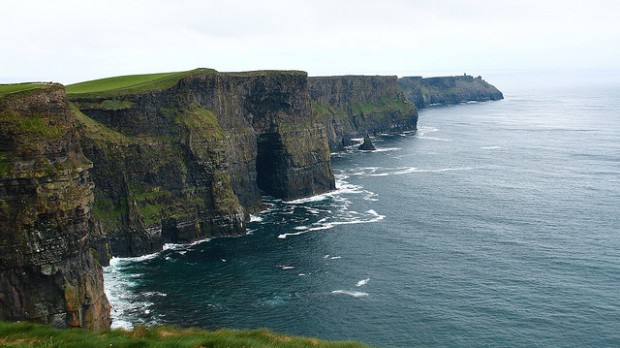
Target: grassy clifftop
[
  {"x": 129, "y": 84},
  {"x": 132, "y": 84},
  {"x": 32, "y": 335},
  {"x": 19, "y": 87}
]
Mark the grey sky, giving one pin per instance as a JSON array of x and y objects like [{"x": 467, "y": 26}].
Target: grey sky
[{"x": 76, "y": 40}]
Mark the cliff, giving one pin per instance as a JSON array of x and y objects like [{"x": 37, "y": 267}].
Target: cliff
[
  {"x": 48, "y": 273},
  {"x": 185, "y": 156},
  {"x": 354, "y": 106},
  {"x": 425, "y": 92}
]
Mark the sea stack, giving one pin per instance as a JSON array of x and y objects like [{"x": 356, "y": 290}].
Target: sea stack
[{"x": 367, "y": 144}]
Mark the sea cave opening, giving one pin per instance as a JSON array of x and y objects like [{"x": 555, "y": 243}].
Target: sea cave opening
[{"x": 271, "y": 165}]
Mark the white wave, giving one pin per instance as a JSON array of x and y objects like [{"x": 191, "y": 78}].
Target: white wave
[
  {"x": 406, "y": 171},
  {"x": 491, "y": 147},
  {"x": 117, "y": 261},
  {"x": 121, "y": 324},
  {"x": 350, "y": 293},
  {"x": 300, "y": 228},
  {"x": 284, "y": 235},
  {"x": 352, "y": 219},
  {"x": 324, "y": 225},
  {"x": 386, "y": 149},
  {"x": 183, "y": 247},
  {"x": 422, "y": 131},
  {"x": 326, "y": 256},
  {"x": 342, "y": 187},
  {"x": 362, "y": 282},
  {"x": 370, "y": 196},
  {"x": 285, "y": 267},
  {"x": 313, "y": 210},
  {"x": 335, "y": 258},
  {"x": 255, "y": 218},
  {"x": 154, "y": 293},
  {"x": 124, "y": 301},
  {"x": 402, "y": 171},
  {"x": 364, "y": 171}
]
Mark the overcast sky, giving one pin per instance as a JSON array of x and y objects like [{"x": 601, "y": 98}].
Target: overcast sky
[{"x": 75, "y": 40}]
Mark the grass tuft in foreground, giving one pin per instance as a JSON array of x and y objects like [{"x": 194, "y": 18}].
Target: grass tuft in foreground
[{"x": 34, "y": 335}]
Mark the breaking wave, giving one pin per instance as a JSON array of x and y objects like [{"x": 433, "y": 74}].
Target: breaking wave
[{"x": 350, "y": 293}]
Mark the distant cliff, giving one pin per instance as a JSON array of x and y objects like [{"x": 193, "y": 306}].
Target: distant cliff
[
  {"x": 425, "y": 92},
  {"x": 187, "y": 157},
  {"x": 354, "y": 106},
  {"x": 48, "y": 273}
]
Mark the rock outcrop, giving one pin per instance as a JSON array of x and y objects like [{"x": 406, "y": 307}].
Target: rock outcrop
[
  {"x": 425, "y": 92},
  {"x": 367, "y": 144},
  {"x": 48, "y": 272},
  {"x": 192, "y": 159},
  {"x": 353, "y": 106}
]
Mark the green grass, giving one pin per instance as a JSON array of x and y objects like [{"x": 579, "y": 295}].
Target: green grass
[
  {"x": 130, "y": 84},
  {"x": 96, "y": 130},
  {"x": 379, "y": 107},
  {"x": 18, "y": 87},
  {"x": 31, "y": 335},
  {"x": 115, "y": 105},
  {"x": 33, "y": 125}
]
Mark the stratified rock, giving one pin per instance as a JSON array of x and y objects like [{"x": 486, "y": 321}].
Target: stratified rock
[
  {"x": 367, "y": 144},
  {"x": 191, "y": 160},
  {"x": 353, "y": 106},
  {"x": 425, "y": 92},
  {"x": 48, "y": 272}
]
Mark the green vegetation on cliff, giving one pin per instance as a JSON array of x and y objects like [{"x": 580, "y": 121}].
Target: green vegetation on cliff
[
  {"x": 43, "y": 126},
  {"x": 31, "y": 335},
  {"x": 129, "y": 84}
]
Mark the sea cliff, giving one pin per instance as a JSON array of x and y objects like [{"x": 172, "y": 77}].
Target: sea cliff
[
  {"x": 190, "y": 157},
  {"x": 447, "y": 90},
  {"x": 355, "y": 106},
  {"x": 48, "y": 272},
  {"x": 120, "y": 166}
]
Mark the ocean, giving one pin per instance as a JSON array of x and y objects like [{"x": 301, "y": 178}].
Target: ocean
[{"x": 495, "y": 224}]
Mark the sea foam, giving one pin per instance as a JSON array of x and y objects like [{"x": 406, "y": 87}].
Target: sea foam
[
  {"x": 362, "y": 282},
  {"x": 350, "y": 293}
]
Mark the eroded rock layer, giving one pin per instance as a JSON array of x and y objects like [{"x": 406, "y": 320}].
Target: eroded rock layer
[{"x": 48, "y": 272}]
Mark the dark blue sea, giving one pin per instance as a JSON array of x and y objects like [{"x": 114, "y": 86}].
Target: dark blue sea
[{"x": 495, "y": 224}]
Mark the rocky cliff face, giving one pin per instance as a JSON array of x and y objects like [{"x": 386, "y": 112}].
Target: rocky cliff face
[
  {"x": 354, "y": 106},
  {"x": 425, "y": 92},
  {"x": 48, "y": 272},
  {"x": 191, "y": 161}
]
